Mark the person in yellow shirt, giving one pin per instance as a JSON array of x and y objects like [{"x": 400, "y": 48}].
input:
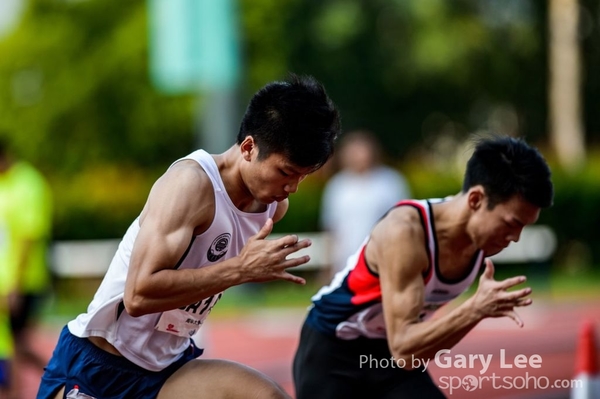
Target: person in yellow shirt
[{"x": 25, "y": 227}]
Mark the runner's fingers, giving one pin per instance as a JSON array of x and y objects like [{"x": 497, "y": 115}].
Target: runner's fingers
[
  {"x": 511, "y": 282},
  {"x": 264, "y": 231},
  {"x": 514, "y": 296},
  {"x": 294, "y": 279},
  {"x": 510, "y": 303},
  {"x": 524, "y": 302},
  {"x": 513, "y": 315},
  {"x": 296, "y": 247},
  {"x": 287, "y": 241},
  {"x": 293, "y": 262},
  {"x": 488, "y": 273}
]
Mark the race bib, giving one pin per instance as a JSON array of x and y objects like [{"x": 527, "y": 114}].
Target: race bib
[{"x": 187, "y": 320}]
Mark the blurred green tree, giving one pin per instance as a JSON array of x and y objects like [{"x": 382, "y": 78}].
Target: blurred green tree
[
  {"x": 74, "y": 89},
  {"x": 76, "y": 100},
  {"x": 396, "y": 66},
  {"x": 76, "y": 97}
]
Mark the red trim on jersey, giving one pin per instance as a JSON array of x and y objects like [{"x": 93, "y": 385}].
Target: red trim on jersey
[{"x": 363, "y": 284}]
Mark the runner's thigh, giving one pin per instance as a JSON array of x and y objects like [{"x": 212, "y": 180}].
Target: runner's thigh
[
  {"x": 215, "y": 379},
  {"x": 60, "y": 394}
]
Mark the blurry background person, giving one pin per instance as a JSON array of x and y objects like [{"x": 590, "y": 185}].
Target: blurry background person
[
  {"x": 358, "y": 194},
  {"x": 25, "y": 226}
]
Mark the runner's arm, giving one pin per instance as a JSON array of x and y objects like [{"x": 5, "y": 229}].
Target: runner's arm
[
  {"x": 181, "y": 203},
  {"x": 402, "y": 259}
]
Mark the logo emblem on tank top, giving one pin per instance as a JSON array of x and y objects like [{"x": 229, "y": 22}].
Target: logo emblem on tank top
[{"x": 219, "y": 247}]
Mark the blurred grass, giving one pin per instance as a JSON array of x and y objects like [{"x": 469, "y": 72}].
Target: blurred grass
[
  {"x": 548, "y": 283},
  {"x": 581, "y": 284}
]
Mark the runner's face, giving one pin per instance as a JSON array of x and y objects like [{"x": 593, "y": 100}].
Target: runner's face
[
  {"x": 496, "y": 228},
  {"x": 273, "y": 178}
]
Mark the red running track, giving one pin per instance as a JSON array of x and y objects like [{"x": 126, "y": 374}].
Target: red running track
[{"x": 267, "y": 341}]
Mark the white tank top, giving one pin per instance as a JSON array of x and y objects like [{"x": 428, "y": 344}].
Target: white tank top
[{"x": 156, "y": 340}]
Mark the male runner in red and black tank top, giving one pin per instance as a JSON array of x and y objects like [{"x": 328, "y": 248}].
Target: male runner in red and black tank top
[{"x": 419, "y": 256}]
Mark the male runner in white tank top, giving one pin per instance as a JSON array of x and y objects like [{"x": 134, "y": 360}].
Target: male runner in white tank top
[
  {"x": 202, "y": 230},
  {"x": 419, "y": 256}
]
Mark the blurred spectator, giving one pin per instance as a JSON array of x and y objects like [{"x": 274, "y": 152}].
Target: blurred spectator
[
  {"x": 25, "y": 224},
  {"x": 361, "y": 192}
]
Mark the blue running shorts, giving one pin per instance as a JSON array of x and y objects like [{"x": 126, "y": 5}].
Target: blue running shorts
[
  {"x": 82, "y": 367},
  {"x": 4, "y": 373}
]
